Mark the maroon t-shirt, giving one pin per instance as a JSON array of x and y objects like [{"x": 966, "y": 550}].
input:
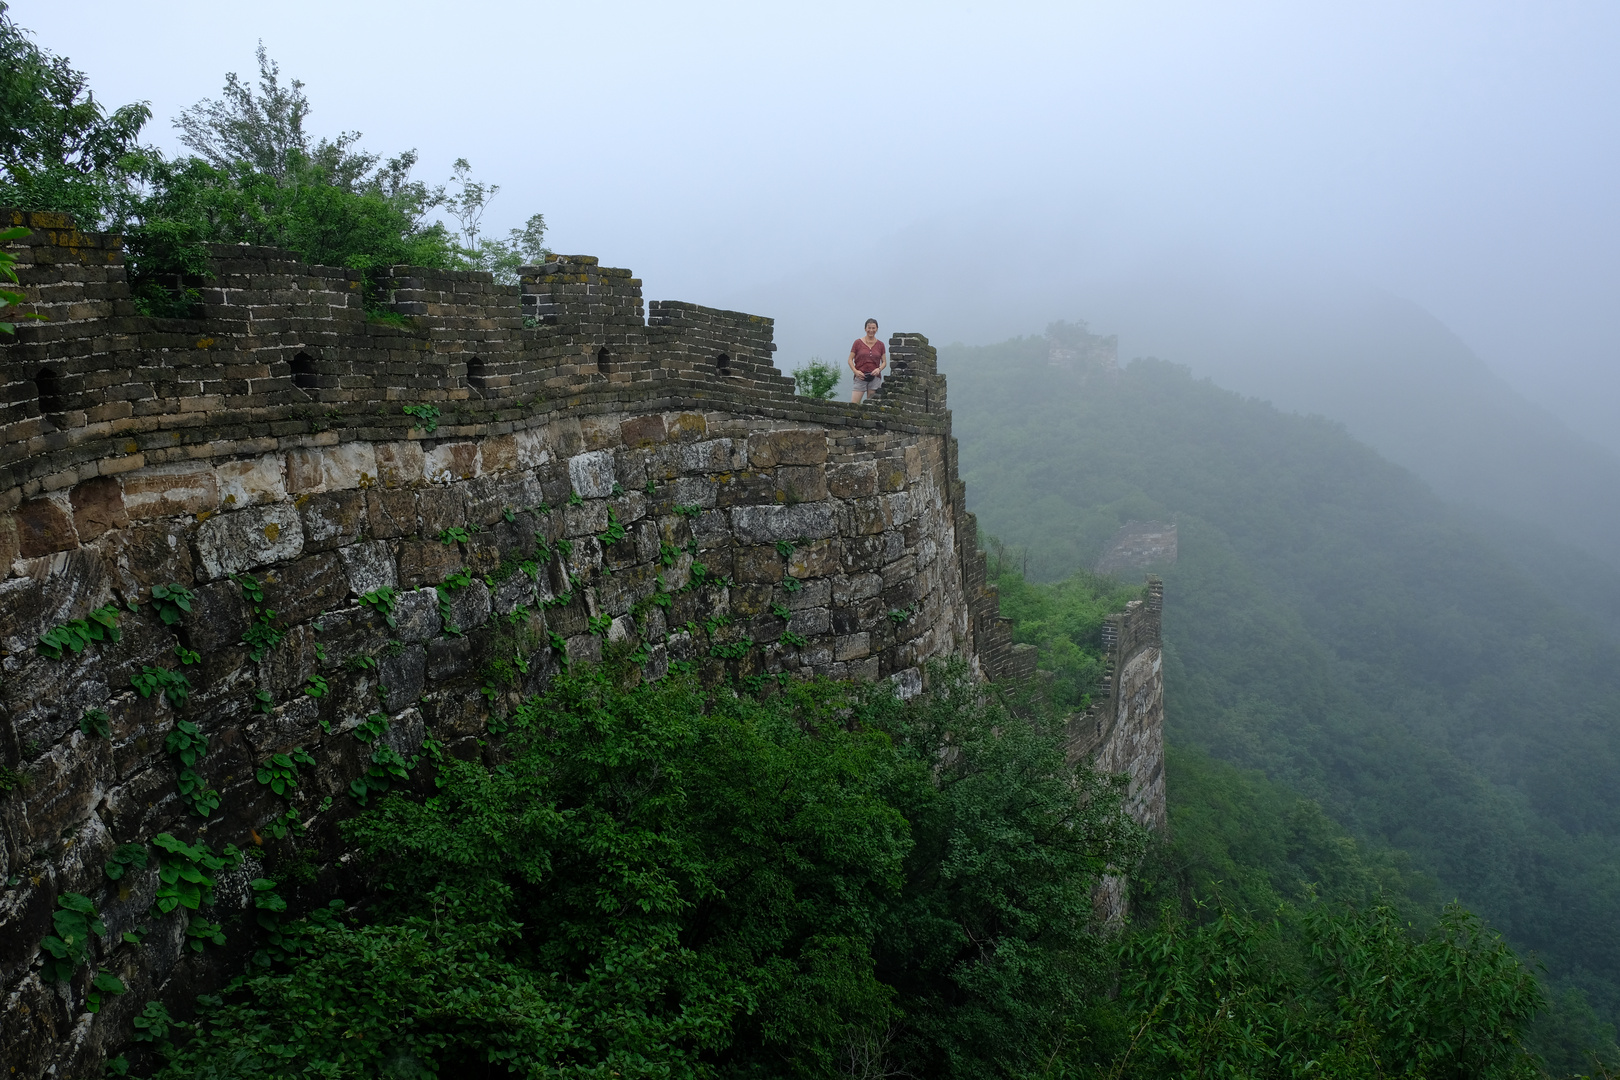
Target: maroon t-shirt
[{"x": 868, "y": 358}]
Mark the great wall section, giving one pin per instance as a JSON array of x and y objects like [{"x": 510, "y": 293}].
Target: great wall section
[{"x": 438, "y": 509}]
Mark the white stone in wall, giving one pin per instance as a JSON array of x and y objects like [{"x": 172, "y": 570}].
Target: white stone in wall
[
  {"x": 591, "y": 474},
  {"x": 247, "y": 539},
  {"x": 251, "y": 483}
]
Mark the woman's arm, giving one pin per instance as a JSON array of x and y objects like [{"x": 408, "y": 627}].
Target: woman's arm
[{"x": 851, "y": 362}]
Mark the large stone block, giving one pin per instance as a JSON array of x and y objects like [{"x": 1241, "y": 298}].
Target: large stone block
[
  {"x": 247, "y": 539},
  {"x": 98, "y": 505},
  {"x": 591, "y": 474},
  {"x": 45, "y": 526},
  {"x": 390, "y": 513},
  {"x": 768, "y": 524},
  {"x": 253, "y": 482},
  {"x": 369, "y": 566},
  {"x": 69, "y": 586},
  {"x": 819, "y": 558},
  {"x": 170, "y": 489},
  {"x": 791, "y": 446},
  {"x": 442, "y": 508},
  {"x": 448, "y": 462},
  {"x": 332, "y": 519},
  {"x": 426, "y": 562},
  {"x": 304, "y": 588}
]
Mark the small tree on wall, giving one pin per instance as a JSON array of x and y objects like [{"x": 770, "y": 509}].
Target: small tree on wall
[{"x": 816, "y": 379}]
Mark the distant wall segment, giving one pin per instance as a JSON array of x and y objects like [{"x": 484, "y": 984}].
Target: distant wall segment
[{"x": 386, "y": 532}]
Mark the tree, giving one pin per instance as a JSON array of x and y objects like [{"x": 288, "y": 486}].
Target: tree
[
  {"x": 816, "y": 379},
  {"x": 59, "y": 149}
]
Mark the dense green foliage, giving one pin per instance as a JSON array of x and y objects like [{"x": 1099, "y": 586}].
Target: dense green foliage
[
  {"x": 664, "y": 882},
  {"x": 1063, "y": 621},
  {"x": 661, "y": 882},
  {"x": 257, "y": 177},
  {"x": 1331, "y": 624}
]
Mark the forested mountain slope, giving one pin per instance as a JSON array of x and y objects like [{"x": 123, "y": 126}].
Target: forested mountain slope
[{"x": 1331, "y": 622}]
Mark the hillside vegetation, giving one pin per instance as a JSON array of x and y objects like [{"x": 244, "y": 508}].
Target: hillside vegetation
[{"x": 1332, "y": 625}]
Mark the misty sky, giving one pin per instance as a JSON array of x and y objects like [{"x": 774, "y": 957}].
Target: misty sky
[{"x": 974, "y": 170}]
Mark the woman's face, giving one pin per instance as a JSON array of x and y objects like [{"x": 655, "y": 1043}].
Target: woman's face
[{"x": 871, "y": 328}]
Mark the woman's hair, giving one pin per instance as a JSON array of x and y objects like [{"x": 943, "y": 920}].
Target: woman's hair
[{"x": 874, "y": 322}]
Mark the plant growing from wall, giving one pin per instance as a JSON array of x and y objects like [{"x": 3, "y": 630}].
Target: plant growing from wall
[
  {"x": 75, "y": 921},
  {"x": 615, "y": 531},
  {"x": 186, "y": 872},
  {"x": 262, "y": 635},
  {"x": 428, "y": 415},
  {"x": 172, "y": 603},
  {"x": 96, "y": 722},
  {"x": 688, "y": 511},
  {"x": 382, "y": 601},
  {"x": 450, "y": 585},
  {"x": 189, "y": 745},
  {"x": 173, "y": 684},
  {"x": 124, "y": 856},
  {"x": 77, "y": 634},
  {"x": 385, "y": 769}
]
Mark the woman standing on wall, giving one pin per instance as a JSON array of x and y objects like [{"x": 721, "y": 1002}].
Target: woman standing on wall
[{"x": 867, "y": 359}]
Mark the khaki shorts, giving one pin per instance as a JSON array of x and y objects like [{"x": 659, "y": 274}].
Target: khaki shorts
[{"x": 860, "y": 383}]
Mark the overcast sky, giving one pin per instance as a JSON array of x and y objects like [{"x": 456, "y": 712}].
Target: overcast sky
[{"x": 1017, "y": 157}]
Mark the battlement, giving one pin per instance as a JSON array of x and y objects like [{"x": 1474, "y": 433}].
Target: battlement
[{"x": 286, "y": 351}]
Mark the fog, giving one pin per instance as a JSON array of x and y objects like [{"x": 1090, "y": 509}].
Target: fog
[{"x": 974, "y": 171}]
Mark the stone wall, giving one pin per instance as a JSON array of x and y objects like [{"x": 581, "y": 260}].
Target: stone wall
[
  {"x": 1138, "y": 545},
  {"x": 1123, "y": 730},
  {"x": 515, "y": 476}
]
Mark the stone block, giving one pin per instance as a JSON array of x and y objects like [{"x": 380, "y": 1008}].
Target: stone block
[
  {"x": 516, "y": 591},
  {"x": 348, "y": 466},
  {"x": 751, "y": 599},
  {"x": 165, "y": 490},
  {"x": 768, "y": 524},
  {"x": 426, "y": 562},
  {"x": 391, "y": 513},
  {"x": 220, "y": 615},
  {"x": 810, "y": 622},
  {"x": 452, "y": 461},
  {"x": 852, "y": 479},
  {"x": 790, "y": 446},
  {"x": 745, "y": 488},
  {"x": 753, "y": 564},
  {"x": 247, "y": 539},
  {"x": 448, "y": 657},
  {"x": 713, "y": 455},
  {"x": 303, "y": 470},
  {"x": 98, "y": 505},
  {"x": 858, "y": 586},
  {"x": 332, "y": 519},
  {"x": 400, "y": 464},
  {"x": 801, "y": 483},
  {"x": 441, "y": 508},
  {"x": 304, "y": 588},
  {"x": 45, "y": 526},
  {"x": 852, "y": 647},
  {"x": 862, "y": 554},
  {"x": 693, "y": 491},
  {"x": 815, "y": 593},
  {"x": 643, "y": 430},
  {"x": 416, "y": 615},
  {"x": 584, "y": 648},
  {"x": 469, "y": 606},
  {"x": 586, "y": 519},
  {"x": 252, "y": 482},
  {"x": 591, "y": 474},
  {"x": 819, "y": 558},
  {"x": 403, "y": 675},
  {"x": 687, "y": 427}
]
